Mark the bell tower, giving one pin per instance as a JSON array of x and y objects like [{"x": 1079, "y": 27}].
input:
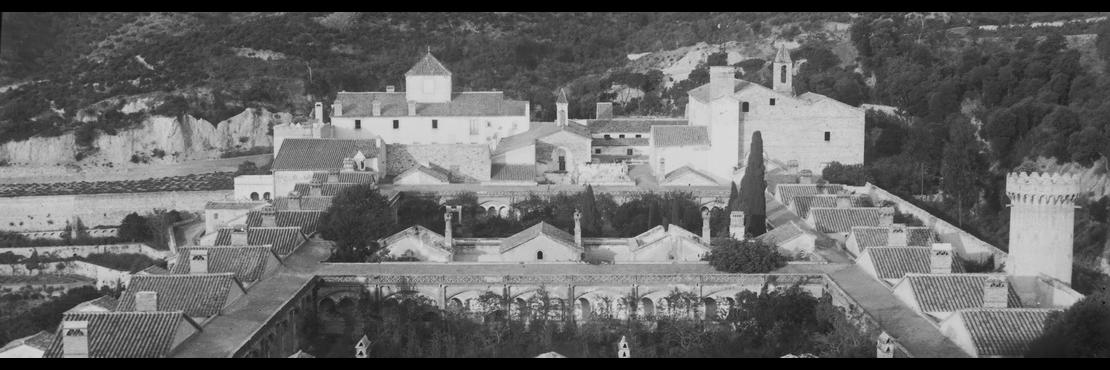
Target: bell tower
[
  {"x": 782, "y": 74},
  {"x": 1042, "y": 220}
]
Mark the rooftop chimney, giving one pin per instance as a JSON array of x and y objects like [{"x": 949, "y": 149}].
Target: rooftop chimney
[
  {"x": 805, "y": 177},
  {"x": 75, "y": 339},
  {"x": 577, "y": 228},
  {"x": 146, "y": 301},
  {"x": 721, "y": 81},
  {"x": 336, "y": 109},
  {"x": 705, "y": 226},
  {"x": 897, "y": 236},
  {"x": 318, "y": 111},
  {"x": 268, "y": 216},
  {"x": 996, "y": 290},
  {"x": 736, "y": 225},
  {"x": 390, "y": 89},
  {"x": 941, "y": 259},
  {"x": 238, "y": 236},
  {"x": 447, "y": 235},
  {"x": 886, "y": 216},
  {"x": 294, "y": 201},
  {"x": 843, "y": 201},
  {"x": 412, "y": 108},
  {"x": 604, "y": 110},
  {"x": 377, "y": 108},
  {"x": 198, "y": 261},
  {"x": 315, "y": 189}
]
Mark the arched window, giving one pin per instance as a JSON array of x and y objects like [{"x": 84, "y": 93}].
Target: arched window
[
  {"x": 539, "y": 255},
  {"x": 782, "y": 74},
  {"x": 266, "y": 195},
  {"x": 254, "y": 195},
  {"x": 744, "y": 107}
]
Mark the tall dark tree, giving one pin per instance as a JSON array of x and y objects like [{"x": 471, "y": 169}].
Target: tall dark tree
[
  {"x": 753, "y": 200},
  {"x": 962, "y": 167},
  {"x": 133, "y": 228},
  {"x": 587, "y": 204},
  {"x": 733, "y": 198},
  {"x": 358, "y": 217}
]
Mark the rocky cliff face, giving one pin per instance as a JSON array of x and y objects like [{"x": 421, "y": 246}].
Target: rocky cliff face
[{"x": 159, "y": 140}]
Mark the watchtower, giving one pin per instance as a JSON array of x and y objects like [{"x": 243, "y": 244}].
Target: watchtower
[{"x": 1042, "y": 218}]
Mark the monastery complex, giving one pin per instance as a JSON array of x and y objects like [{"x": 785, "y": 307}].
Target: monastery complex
[{"x": 256, "y": 281}]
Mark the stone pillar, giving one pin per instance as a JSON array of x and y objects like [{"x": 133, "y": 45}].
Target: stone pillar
[
  {"x": 578, "y": 228},
  {"x": 705, "y": 227},
  {"x": 736, "y": 225},
  {"x": 447, "y": 235}
]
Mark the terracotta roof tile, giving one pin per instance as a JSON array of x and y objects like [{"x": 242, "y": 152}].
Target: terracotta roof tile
[
  {"x": 470, "y": 103},
  {"x": 513, "y": 172},
  {"x": 842, "y": 220},
  {"x": 802, "y": 203},
  {"x": 782, "y": 234},
  {"x": 1004, "y": 332},
  {"x": 876, "y": 236},
  {"x": 105, "y": 302},
  {"x": 542, "y": 228},
  {"x": 326, "y": 189},
  {"x": 40, "y": 341},
  {"x": 664, "y": 136},
  {"x": 320, "y": 154},
  {"x": 434, "y": 173},
  {"x": 426, "y": 236},
  {"x": 233, "y": 205},
  {"x": 896, "y": 262},
  {"x": 247, "y": 263},
  {"x": 951, "y": 292},
  {"x": 428, "y": 66},
  {"x": 198, "y": 295},
  {"x": 283, "y": 240},
  {"x": 125, "y": 334},
  {"x": 631, "y": 125},
  {"x": 628, "y": 141},
  {"x": 787, "y": 192},
  {"x": 320, "y": 203},
  {"x": 685, "y": 170},
  {"x": 351, "y": 177}
]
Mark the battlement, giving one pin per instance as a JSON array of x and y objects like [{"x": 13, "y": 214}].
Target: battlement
[{"x": 1042, "y": 188}]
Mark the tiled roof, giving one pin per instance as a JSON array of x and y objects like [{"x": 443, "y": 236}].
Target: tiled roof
[
  {"x": 787, "y": 192},
  {"x": 782, "y": 234},
  {"x": 326, "y": 189},
  {"x": 876, "y": 236},
  {"x": 842, "y": 220},
  {"x": 951, "y": 292},
  {"x": 896, "y": 262},
  {"x": 198, "y": 295},
  {"x": 428, "y": 66},
  {"x": 632, "y": 125},
  {"x": 657, "y": 233},
  {"x": 394, "y": 104},
  {"x": 356, "y": 177},
  {"x": 628, "y": 141},
  {"x": 1004, "y": 332},
  {"x": 284, "y": 240},
  {"x": 40, "y": 341},
  {"x": 685, "y": 170},
  {"x": 543, "y": 228},
  {"x": 536, "y": 131},
  {"x": 320, "y": 203},
  {"x": 247, "y": 263},
  {"x": 436, "y": 174},
  {"x": 426, "y": 236},
  {"x": 154, "y": 270},
  {"x": 803, "y": 203},
  {"x": 125, "y": 334},
  {"x": 104, "y": 302},
  {"x": 512, "y": 172},
  {"x": 232, "y": 205},
  {"x": 320, "y": 154},
  {"x": 679, "y": 135}
]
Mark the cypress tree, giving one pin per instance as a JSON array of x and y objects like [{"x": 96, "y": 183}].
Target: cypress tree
[
  {"x": 752, "y": 187},
  {"x": 734, "y": 198},
  {"x": 587, "y": 204}
]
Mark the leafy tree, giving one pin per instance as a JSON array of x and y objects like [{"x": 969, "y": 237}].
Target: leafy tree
[
  {"x": 749, "y": 256},
  {"x": 358, "y": 216},
  {"x": 962, "y": 166},
  {"x": 837, "y": 173},
  {"x": 1083, "y": 330},
  {"x": 753, "y": 187},
  {"x": 134, "y": 228}
]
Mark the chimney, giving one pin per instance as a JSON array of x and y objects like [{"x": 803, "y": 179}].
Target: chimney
[
  {"x": 805, "y": 177},
  {"x": 447, "y": 235},
  {"x": 577, "y": 228},
  {"x": 318, "y": 111},
  {"x": 348, "y": 165},
  {"x": 198, "y": 261},
  {"x": 885, "y": 346},
  {"x": 721, "y": 81},
  {"x": 315, "y": 189},
  {"x": 941, "y": 259},
  {"x": 412, "y": 108},
  {"x": 268, "y": 217},
  {"x": 604, "y": 110},
  {"x": 336, "y": 109},
  {"x": 377, "y": 108},
  {"x": 238, "y": 236},
  {"x": 622, "y": 349},
  {"x": 886, "y": 216},
  {"x": 390, "y": 89},
  {"x": 843, "y": 201},
  {"x": 896, "y": 236},
  {"x": 146, "y": 301},
  {"x": 294, "y": 201},
  {"x": 75, "y": 339},
  {"x": 996, "y": 290},
  {"x": 705, "y": 226},
  {"x": 736, "y": 225}
]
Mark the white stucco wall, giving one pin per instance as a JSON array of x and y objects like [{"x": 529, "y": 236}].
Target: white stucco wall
[
  {"x": 418, "y": 129},
  {"x": 247, "y": 184},
  {"x": 286, "y": 181},
  {"x": 700, "y": 157},
  {"x": 552, "y": 251}
]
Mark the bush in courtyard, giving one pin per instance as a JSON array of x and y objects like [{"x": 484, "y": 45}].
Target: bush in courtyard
[{"x": 748, "y": 256}]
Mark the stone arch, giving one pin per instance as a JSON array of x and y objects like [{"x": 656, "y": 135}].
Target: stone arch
[
  {"x": 503, "y": 211},
  {"x": 254, "y": 195},
  {"x": 563, "y": 158},
  {"x": 647, "y": 308},
  {"x": 710, "y": 305},
  {"x": 519, "y": 309},
  {"x": 583, "y": 310},
  {"x": 491, "y": 212},
  {"x": 266, "y": 196},
  {"x": 346, "y": 305},
  {"x": 327, "y": 307},
  {"x": 455, "y": 305}
]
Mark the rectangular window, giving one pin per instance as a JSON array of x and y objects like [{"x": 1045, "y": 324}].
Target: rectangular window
[
  {"x": 396, "y": 124},
  {"x": 637, "y": 136},
  {"x": 597, "y": 151},
  {"x": 622, "y": 136},
  {"x": 772, "y": 101},
  {"x": 435, "y": 123},
  {"x": 630, "y": 152},
  {"x": 608, "y": 137},
  {"x": 828, "y": 136},
  {"x": 473, "y": 127},
  {"x": 358, "y": 124}
]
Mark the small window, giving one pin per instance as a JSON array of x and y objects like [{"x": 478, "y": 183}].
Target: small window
[
  {"x": 473, "y": 127},
  {"x": 638, "y": 136},
  {"x": 629, "y": 151},
  {"x": 435, "y": 123},
  {"x": 597, "y": 151},
  {"x": 215, "y": 216},
  {"x": 744, "y": 107},
  {"x": 539, "y": 255},
  {"x": 396, "y": 124},
  {"x": 622, "y": 136},
  {"x": 358, "y": 124},
  {"x": 489, "y": 124},
  {"x": 608, "y": 137},
  {"x": 772, "y": 101},
  {"x": 828, "y": 136}
]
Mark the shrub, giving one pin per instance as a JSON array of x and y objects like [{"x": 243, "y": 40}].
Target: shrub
[{"x": 749, "y": 256}]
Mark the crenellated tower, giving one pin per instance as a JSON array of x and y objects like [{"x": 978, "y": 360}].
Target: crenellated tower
[{"x": 1042, "y": 220}]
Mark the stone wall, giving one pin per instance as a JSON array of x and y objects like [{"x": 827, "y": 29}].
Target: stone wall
[
  {"x": 104, "y": 276},
  {"x": 472, "y": 160},
  {"x": 50, "y": 213},
  {"x": 67, "y": 251}
]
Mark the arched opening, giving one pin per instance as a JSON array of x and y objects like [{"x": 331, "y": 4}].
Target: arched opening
[
  {"x": 327, "y": 307},
  {"x": 346, "y": 306},
  {"x": 710, "y": 309},
  {"x": 744, "y": 107},
  {"x": 503, "y": 212},
  {"x": 254, "y": 195},
  {"x": 728, "y": 310},
  {"x": 539, "y": 255},
  {"x": 583, "y": 311},
  {"x": 454, "y": 305},
  {"x": 556, "y": 311},
  {"x": 266, "y": 195},
  {"x": 491, "y": 212},
  {"x": 647, "y": 308}
]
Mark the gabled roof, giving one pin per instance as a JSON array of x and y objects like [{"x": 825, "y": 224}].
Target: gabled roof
[
  {"x": 630, "y": 125},
  {"x": 562, "y": 99},
  {"x": 876, "y": 236},
  {"x": 283, "y": 240},
  {"x": 320, "y": 203},
  {"x": 782, "y": 56},
  {"x": 803, "y": 203},
  {"x": 628, "y": 141},
  {"x": 106, "y": 303},
  {"x": 536, "y": 131},
  {"x": 677, "y": 135},
  {"x": 951, "y": 292},
  {"x": 198, "y": 295},
  {"x": 658, "y": 233},
  {"x": 125, "y": 334},
  {"x": 40, "y": 341},
  {"x": 842, "y": 220},
  {"x": 512, "y": 172},
  {"x": 425, "y": 235},
  {"x": 787, "y": 192},
  {"x": 247, "y": 263},
  {"x": 782, "y": 234},
  {"x": 153, "y": 270},
  {"x": 462, "y": 104},
  {"x": 542, "y": 228},
  {"x": 896, "y": 262},
  {"x": 1004, "y": 332},
  {"x": 422, "y": 169},
  {"x": 428, "y": 66},
  {"x": 320, "y": 154},
  {"x": 688, "y": 170},
  {"x": 307, "y": 220}
]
